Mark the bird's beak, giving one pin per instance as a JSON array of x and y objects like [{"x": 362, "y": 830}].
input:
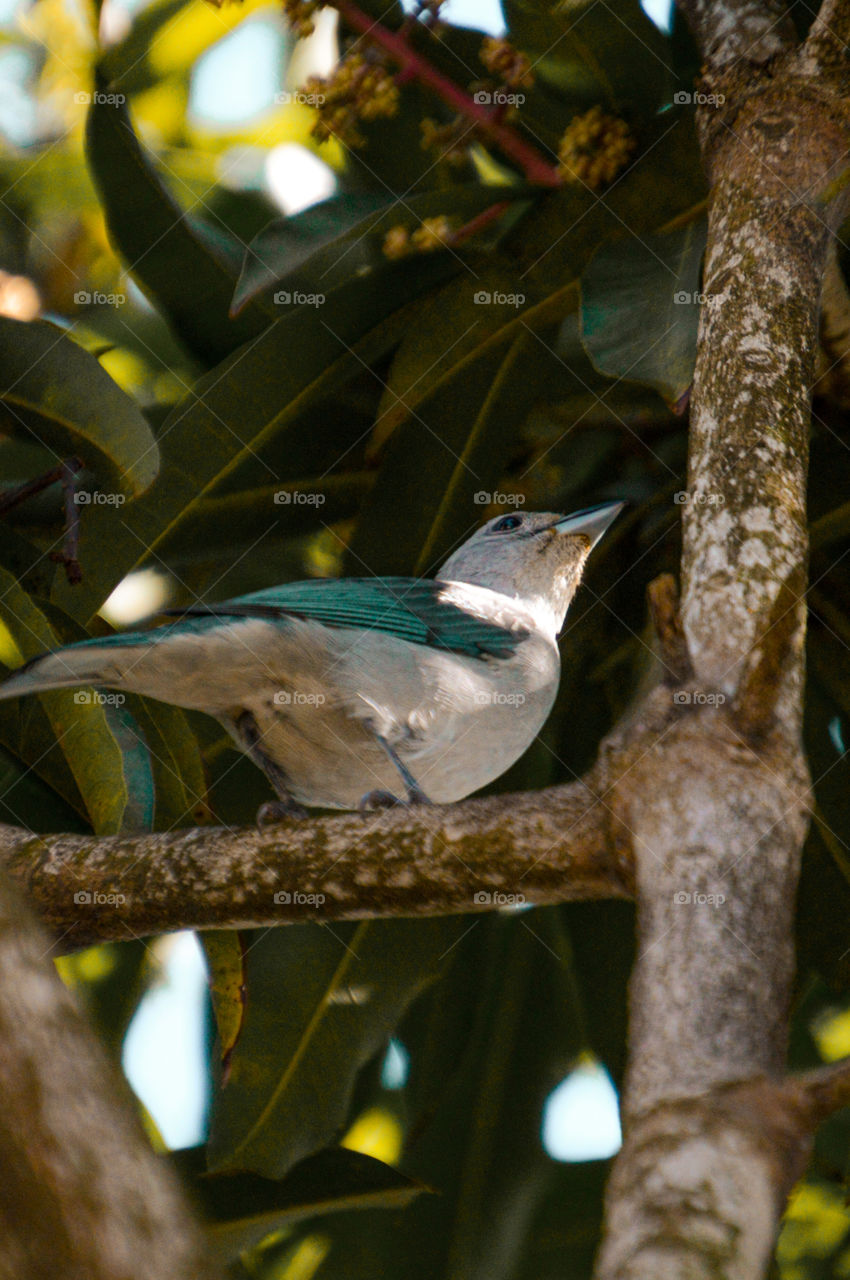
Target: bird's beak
[{"x": 592, "y": 521}]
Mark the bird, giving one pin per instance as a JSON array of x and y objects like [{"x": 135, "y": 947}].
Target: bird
[{"x": 363, "y": 693}]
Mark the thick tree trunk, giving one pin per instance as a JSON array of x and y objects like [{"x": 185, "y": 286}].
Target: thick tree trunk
[
  {"x": 717, "y": 801},
  {"x": 83, "y": 1195}
]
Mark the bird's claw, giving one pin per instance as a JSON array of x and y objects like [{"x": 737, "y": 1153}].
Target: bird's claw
[
  {"x": 386, "y": 800},
  {"x": 278, "y": 811}
]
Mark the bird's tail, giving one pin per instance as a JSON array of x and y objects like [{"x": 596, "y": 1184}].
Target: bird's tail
[{"x": 106, "y": 661}]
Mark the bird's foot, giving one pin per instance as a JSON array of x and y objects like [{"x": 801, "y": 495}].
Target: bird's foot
[
  {"x": 278, "y": 811},
  {"x": 386, "y": 800}
]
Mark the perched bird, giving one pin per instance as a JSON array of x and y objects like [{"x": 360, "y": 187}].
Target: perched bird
[{"x": 363, "y": 692}]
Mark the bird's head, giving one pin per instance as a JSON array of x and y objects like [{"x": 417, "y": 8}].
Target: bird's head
[{"x": 536, "y": 557}]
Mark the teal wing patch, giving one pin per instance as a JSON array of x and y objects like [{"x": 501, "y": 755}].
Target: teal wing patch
[{"x": 409, "y": 608}]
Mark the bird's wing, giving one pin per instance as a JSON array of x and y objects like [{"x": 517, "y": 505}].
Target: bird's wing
[{"x": 412, "y": 609}]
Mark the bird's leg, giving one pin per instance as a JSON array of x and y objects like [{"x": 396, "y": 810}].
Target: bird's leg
[
  {"x": 273, "y": 810},
  {"x": 386, "y": 799}
]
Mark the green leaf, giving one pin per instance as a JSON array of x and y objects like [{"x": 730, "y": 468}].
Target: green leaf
[
  {"x": 128, "y": 63},
  {"x": 476, "y": 1114},
  {"x": 78, "y": 721},
  {"x": 225, "y": 956},
  {"x": 424, "y": 459},
  {"x": 342, "y": 238},
  {"x": 484, "y": 459},
  {"x": 591, "y": 53},
  {"x": 241, "y": 1209},
  {"x": 664, "y": 180},
  {"x": 234, "y": 518},
  {"x": 285, "y": 248},
  {"x": 231, "y": 413},
  {"x": 54, "y": 391},
  {"x": 640, "y": 308},
  {"x": 186, "y": 267},
  {"x": 467, "y": 319},
  {"x": 293, "y": 1069},
  {"x": 139, "y": 809},
  {"x": 26, "y": 798},
  {"x": 175, "y": 761}
]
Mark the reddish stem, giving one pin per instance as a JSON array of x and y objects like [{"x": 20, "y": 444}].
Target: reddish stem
[
  {"x": 533, "y": 165},
  {"x": 479, "y": 222}
]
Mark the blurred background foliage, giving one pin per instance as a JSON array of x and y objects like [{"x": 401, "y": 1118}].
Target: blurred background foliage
[{"x": 168, "y": 224}]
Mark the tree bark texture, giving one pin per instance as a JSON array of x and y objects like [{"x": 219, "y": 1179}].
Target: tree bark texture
[
  {"x": 717, "y": 804},
  {"x": 83, "y": 1195}
]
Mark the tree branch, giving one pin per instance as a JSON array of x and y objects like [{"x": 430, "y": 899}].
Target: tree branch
[
  {"x": 83, "y": 1195},
  {"x": 729, "y": 31},
  {"x": 827, "y": 42},
  {"x": 539, "y": 847}
]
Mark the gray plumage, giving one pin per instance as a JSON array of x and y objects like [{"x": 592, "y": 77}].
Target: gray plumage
[{"x": 342, "y": 690}]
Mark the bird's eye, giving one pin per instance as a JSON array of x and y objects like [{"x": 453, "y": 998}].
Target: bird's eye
[{"x": 506, "y": 523}]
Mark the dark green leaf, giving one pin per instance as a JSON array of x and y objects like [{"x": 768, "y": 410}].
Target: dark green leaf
[
  {"x": 78, "y": 720},
  {"x": 640, "y": 305},
  {"x": 188, "y": 268},
  {"x": 55, "y": 392},
  {"x": 342, "y": 239},
  {"x": 293, "y": 1069},
  {"x": 300, "y": 359},
  {"x": 594, "y": 53},
  {"x": 241, "y": 1209}
]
